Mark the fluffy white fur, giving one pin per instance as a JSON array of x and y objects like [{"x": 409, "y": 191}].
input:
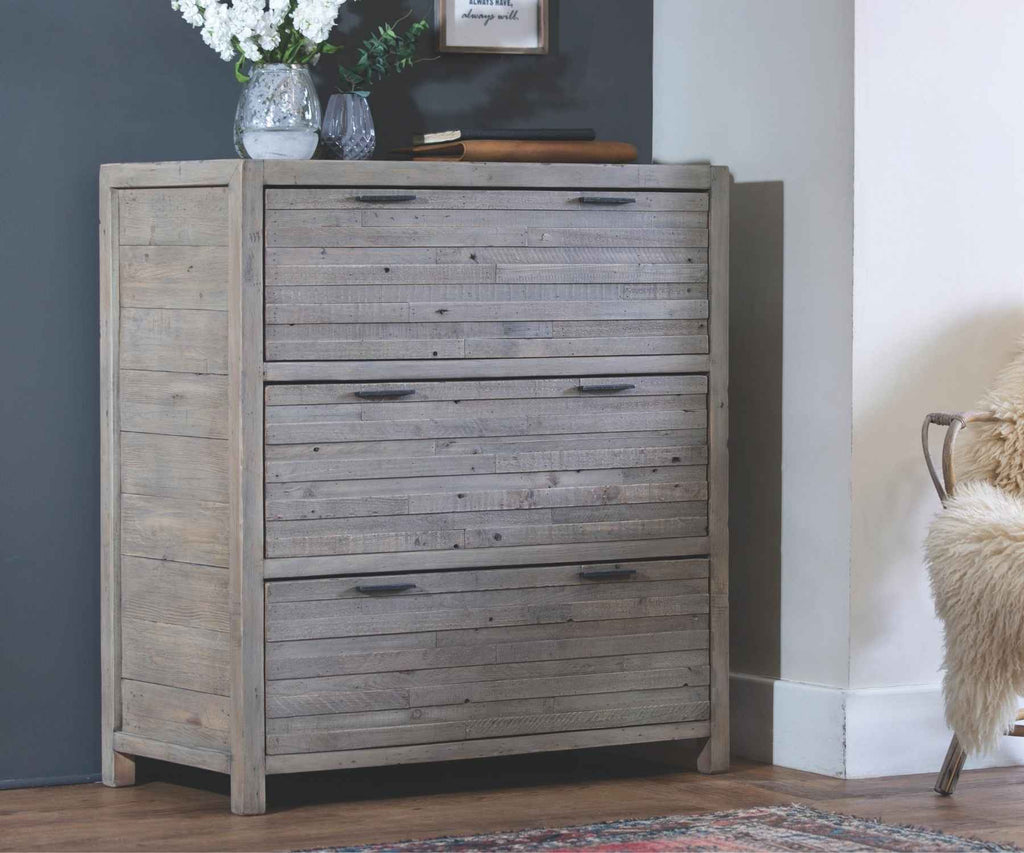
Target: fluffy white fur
[
  {"x": 994, "y": 452},
  {"x": 975, "y": 551}
]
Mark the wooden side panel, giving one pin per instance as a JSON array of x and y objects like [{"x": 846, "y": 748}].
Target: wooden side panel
[
  {"x": 117, "y": 767},
  {"x": 170, "y": 490},
  {"x": 176, "y": 715},
  {"x": 184, "y": 594},
  {"x": 245, "y": 347},
  {"x": 178, "y": 404},
  {"x": 480, "y": 655},
  {"x": 173, "y": 277},
  {"x": 174, "y": 216},
  {"x": 715, "y": 756},
  {"x": 176, "y": 656}
]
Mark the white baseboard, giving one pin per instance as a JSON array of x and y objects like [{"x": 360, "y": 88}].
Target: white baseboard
[
  {"x": 893, "y": 731},
  {"x": 854, "y": 734}
]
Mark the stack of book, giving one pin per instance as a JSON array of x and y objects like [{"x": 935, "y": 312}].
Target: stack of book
[{"x": 578, "y": 145}]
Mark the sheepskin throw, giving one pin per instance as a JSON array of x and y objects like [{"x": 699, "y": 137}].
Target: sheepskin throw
[
  {"x": 975, "y": 551},
  {"x": 994, "y": 452}
]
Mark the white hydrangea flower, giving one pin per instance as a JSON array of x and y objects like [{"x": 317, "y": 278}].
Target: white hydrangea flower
[
  {"x": 217, "y": 29},
  {"x": 255, "y": 25},
  {"x": 246, "y": 24},
  {"x": 190, "y": 11},
  {"x": 270, "y": 28},
  {"x": 315, "y": 18},
  {"x": 278, "y": 9}
]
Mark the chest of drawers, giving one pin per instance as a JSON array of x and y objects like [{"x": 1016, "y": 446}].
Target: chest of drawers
[{"x": 411, "y": 462}]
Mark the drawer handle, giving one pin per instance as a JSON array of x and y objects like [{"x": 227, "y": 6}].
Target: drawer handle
[
  {"x": 606, "y": 389},
  {"x": 385, "y": 588},
  {"x": 385, "y": 393},
  {"x": 607, "y": 574},
  {"x": 606, "y": 199},
  {"x": 385, "y": 199}
]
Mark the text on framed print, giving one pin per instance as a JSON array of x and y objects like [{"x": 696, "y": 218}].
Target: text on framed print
[{"x": 492, "y": 26}]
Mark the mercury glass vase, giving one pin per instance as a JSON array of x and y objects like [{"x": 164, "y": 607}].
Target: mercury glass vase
[
  {"x": 278, "y": 115},
  {"x": 348, "y": 127}
]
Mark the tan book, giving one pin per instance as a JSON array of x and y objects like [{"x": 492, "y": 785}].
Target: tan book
[{"x": 526, "y": 151}]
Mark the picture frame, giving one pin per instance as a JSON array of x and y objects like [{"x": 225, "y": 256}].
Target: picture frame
[{"x": 492, "y": 26}]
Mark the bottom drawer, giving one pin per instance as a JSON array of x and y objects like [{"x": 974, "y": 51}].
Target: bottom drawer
[{"x": 357, "y": 663}]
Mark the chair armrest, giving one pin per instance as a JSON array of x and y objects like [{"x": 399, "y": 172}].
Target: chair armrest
[{"x": 954, "y": 422}]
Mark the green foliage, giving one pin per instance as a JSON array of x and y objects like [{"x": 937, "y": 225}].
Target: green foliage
[{"x": 387, "y": 51}]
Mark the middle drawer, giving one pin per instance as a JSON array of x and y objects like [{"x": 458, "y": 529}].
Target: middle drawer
[{"x": 506, "y": 469}]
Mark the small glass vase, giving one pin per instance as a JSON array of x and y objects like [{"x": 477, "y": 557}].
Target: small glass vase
[
  {"x": 348, "y": 127},
  {"x": 278, "y": 115}
]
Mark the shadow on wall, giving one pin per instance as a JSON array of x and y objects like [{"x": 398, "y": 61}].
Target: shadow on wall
[
  {"x": 755, "y": 453},
  {"x": 949, "y": 370},
  {"x": 596, "y": 75}
]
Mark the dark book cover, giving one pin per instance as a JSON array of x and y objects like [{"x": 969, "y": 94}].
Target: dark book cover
[{"x": 580, "y": 134}]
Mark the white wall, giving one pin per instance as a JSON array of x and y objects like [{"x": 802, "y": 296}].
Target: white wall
[
  {"x": 938, "y": 305},
  {"x": 766, "y": 88},
  {"x": 938, "y": 285},
  {"x": 919, "y": 317}
]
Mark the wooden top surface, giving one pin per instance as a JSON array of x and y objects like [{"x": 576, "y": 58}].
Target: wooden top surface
[{"x": 401, "y": 173}]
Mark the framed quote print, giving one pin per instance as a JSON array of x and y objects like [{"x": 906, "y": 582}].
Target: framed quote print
[{"x": 492, "y": 26}]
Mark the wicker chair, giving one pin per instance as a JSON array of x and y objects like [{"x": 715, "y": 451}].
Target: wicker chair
[{"x": 945, "y": 784}]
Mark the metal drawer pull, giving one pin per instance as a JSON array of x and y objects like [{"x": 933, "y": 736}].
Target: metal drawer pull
[
  {"x": 606, "y": 389},
  {"x": 607, "y": 574},
  {"x": 385, "y": 199},
  {"x": 385, "y": 393},
  {"x": 606, "y": 199},
  {"x": 385, "y": 587}
]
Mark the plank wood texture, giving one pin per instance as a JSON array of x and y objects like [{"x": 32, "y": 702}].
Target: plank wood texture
[
  {"x": 487, "y": 796},
  {"x": 563, "y": 329},
  {"x": 245, "y": 526},
  {"x": 176, "y": 715},
  {"x": 485, "y": 747},
  {"x": 324, "y": 173},
  {"x": 178, "y": 404},
  {"x": 452, "y": 297},
  {"x": 448, "y": 465},
  {"x": 715, "y": 756},
  {"x": 174, "y": 277},
  {"x": 165, "y": 497},
  {"x": 501, "y": 200},
  {"x": 484, "y": 654},
  {"x": 117, "y": 768},
  {"x": 481, "y": 368},
  {"x": 173, "y": 217}
]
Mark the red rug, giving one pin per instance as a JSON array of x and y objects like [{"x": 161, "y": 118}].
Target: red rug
[{"x": 772, "y": 828}]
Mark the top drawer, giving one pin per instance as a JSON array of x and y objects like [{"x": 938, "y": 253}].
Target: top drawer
[{"x": 484, "y": 274}]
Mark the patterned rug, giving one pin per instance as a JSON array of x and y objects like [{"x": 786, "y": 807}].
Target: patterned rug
[{"x": 792, "y": 827}]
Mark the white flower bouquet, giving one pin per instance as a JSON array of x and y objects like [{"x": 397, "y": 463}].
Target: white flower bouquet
[{"x": 263, "y": 31}]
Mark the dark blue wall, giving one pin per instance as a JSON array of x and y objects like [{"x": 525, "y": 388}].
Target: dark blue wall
[{"x": 84, "y": 83}]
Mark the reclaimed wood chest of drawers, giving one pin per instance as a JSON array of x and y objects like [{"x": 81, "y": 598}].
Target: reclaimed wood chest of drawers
[{"x": 411, "y": 462}]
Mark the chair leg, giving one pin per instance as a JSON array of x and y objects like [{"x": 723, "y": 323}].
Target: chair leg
[{"x": 951, "y": 767}]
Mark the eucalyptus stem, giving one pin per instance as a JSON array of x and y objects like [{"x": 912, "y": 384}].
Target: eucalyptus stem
[{"x": 383, "y": 53}]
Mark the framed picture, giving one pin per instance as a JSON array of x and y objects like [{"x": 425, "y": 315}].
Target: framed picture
[{"x": 492, "y": 26}]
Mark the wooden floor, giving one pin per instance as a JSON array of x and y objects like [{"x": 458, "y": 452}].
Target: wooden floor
[{"x": 171, "y": 810}]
